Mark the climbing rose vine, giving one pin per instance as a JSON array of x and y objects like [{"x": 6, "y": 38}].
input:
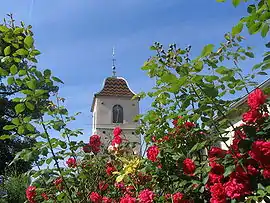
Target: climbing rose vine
[{"x": 193, "y": 150}]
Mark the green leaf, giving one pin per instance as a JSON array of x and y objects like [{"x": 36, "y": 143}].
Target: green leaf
[
  {"x": 254, "y": 28},
  {"x": 20, "y": 130},
  {"x": 9, "y": 127},
  {"x": 207, "y": 50},
  {"x": 19, "y": 108},
  {"x": 31, "y": 84},
  {"x": 267, "y": 45},
  {"x": 237, "y": 29},
  {"x": 3, "y": 72},
  {"x": 256, "y": 66},
  {"x": 10, "y": 80},
  {"x": 153, "y": 48},
  {"x": 40, "y": 92},
  {"x": 229, "y": 170},
  {"x": 265, "y": 30},
  {"x": 22, "y": 72},
  {"x": 49, "y": 160},
  {"x": 198, "y": 146},
  {"x": 222, "y": 70},
  {"x": 251, "y": 8},
  {"x": 35, "y": 52},
  {"x": 18, "y": 30},
  {"x": 56, "y": 79},
  {"x": 249, "y": 54},
  {"x": 211, "y": 78},
  {"x": 221, "y": 1},
  {"x": 210, "y": 92},
  {"x": 16, "y": 121},
  {"x": 62, "y": 144},
  {"x": 4, "y": 137},
  {"x": 61, "y": 197},
  {"x": 28, "y": 92},
  {"x": 236, "y": 2},
  {"x": 28, "y": 42},
  {"x": 3, "y": 28},
  {"x": 47, "y": 73},
  {"x": 198, "y": 66},
  {"x": 29, "y": 105},
  {"x": 268, "y": 189},
  {"x": 30, "y": 127},
  {"x": 22, "y": 52},
  {"x": 13, "y": 69},
  {"x": 262, "y": 73},
  {"x": 7, "y": 51}
]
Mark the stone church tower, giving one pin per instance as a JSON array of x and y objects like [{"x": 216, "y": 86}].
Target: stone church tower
[{"x": 112, "y": 107}]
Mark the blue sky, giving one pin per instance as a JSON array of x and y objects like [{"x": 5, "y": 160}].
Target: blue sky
[{"x": 76, "y": 39}]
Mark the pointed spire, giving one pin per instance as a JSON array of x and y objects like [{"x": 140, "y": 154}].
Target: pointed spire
[{"x": 113, "y": 63}]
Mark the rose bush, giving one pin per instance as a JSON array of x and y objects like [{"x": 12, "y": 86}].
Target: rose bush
[{"x": 189, "y": 119}]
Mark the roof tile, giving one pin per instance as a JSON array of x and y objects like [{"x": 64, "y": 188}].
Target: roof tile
[{"x": 115, "y": 87}]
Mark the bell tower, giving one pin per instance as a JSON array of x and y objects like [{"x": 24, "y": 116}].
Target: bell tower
[{"x": 113, "y": 106}]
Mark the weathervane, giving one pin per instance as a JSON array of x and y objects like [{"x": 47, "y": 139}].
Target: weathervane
[{"x": 113, "y": 62}]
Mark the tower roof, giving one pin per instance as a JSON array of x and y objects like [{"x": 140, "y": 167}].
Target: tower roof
[{"x": 114, "y": 87}]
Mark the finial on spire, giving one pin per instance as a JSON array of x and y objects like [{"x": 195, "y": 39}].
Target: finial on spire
[{"x": 113, "y": 62}]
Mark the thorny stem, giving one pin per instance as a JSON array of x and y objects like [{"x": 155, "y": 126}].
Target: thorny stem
[
  {"x": 68, "y": 139},
  {"x": 235, "y": 63},
  {"x": 55, "y": 159},
  {"x": 213, "y": 123}
]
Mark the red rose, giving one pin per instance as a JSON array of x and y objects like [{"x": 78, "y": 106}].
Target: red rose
[
  {"x": 260, "y": 152},
  {"x": 31, "y": 194},
  {"x": 146, "y": 196},
  {"x": 71, "y": 162},
  {"x": 110, "y": 168},
  {"x": 188, "y": 125},
  {"x": 216, "y": 152},
  {"x": 252, "y": 116},
  {"x": 189, "y": 166},
  {"x": 153, "y": 138},
  {"x": 45, "y": 196},
  {"x": 237, "y": 186},
  {"x": 120, "y": 185},
  {"x": 177, "y": 197},
  {"x": 127, "y": 199},
  {"x": 95, "y": 197},
  {"x": 102, "y": 185},
  {"x": 266, "y": 173},
  {"x": 167, "y": 196},
  {"x": 106, "y": 200},
  {"x": 87, "y": 148},
  {"x": 58, "y": 183},
  {"x": 95, "y": 143},
  {"x": 217, "y": 168},
  {"x": 213, "y": 178},
  {"x": 252, "y": 167},
  {"x": 130, "y": 190},
  {"x": 175, "y": 121},
  {"x": 116, "y": 140},
  {"x": 256, "y": 98},
  {"x": 117, "y": 131},
  {"x": 152, "y": 153},
  {"x": 218, "y": 193}
]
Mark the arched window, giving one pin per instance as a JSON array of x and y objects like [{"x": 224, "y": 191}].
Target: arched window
[{"x": 118, "y": 114}]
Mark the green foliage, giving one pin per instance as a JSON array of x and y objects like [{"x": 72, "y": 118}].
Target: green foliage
[
  {"x": 13, "y": 187},
  {"x": 189, "y": 115}
]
